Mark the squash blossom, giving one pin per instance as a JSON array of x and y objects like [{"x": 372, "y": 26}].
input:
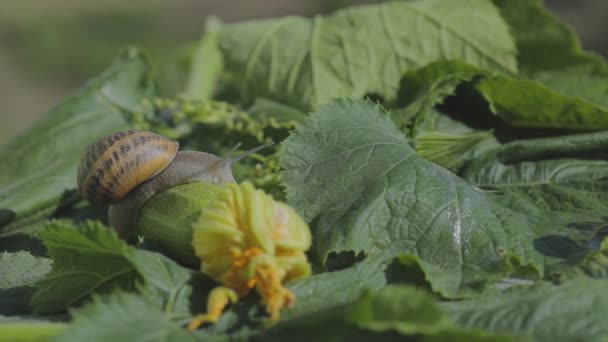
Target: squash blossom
[{"x": 247, "y": 241}]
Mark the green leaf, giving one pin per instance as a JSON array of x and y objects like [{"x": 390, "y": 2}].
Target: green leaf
[
  {"x": 207, "y": 64},
  {"x": 550, "y": 53},
  {"x": 435, "y": 121},
  {"x": 14, "y": 329},
  {"x": 543, "y": 42},
  {"x": 558, "y": 182},
  {"x": 18, "y": 272},
  {"x": 86, "y": 259},
  {"x": 360, "y": 50},
  {"x": 39, "y": 166},
  {"x": 587, "y": 146},
  {"x": 91, "y": 259},
  {"x": 561, "y": 175},
  {"x": 573, "y": 311},
  {"x": 265, "y": 109},
  {"x": 21, "y": 269},
  {"x": 167, "y": 284},
  {"x": 122, "y": 317},
  {"x": 595, "y": 264},
  {"x": 423, "y": 88},
  {"x": 411, "y": 311},
  {"x": 448, "y": 150},
  {"x": 528, "y": 103},
  {"x": 349, "y": 172},
  {"x": 584, "y": 82},
  {"x": 517, "y": 101},
  {"x": 329, "y": 290},
  {"x": 387, "y": 313},
  {"x": 405, "y": 309},
  {"x": 318, "y": 298}
]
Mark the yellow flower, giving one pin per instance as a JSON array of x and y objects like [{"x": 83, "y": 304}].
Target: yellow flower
[{"x": 246, "y": 240}]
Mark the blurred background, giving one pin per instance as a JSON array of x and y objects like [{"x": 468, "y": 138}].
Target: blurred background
[{"x": 49, "y": 47}]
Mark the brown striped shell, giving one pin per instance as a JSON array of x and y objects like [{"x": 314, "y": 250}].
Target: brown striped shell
[{"x": 118, "y": 163}]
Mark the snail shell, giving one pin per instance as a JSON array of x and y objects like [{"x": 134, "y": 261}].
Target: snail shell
[{"x": 118, "y": 163}]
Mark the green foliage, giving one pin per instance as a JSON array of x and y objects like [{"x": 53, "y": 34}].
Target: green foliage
[
  {"x": 423, "y": 88},
  {"x": 405, "y": 309},
  {"x": 86, "y": 259},
  {"x": 392, "y": 313},
  {"x": 21, "y": 269},
  {"x": 89, "y": 258},
  {"x": 18, "y": 273},
  {"x": 527, "y": 103},
  {"x": 389, "y": 201},
  {"x": 19, "y": 329},
  {"x": 38, "y": 167},
  {"x": 447, "y": 150},
  {"x": 575, "y": 310},
  {"x": 122, "y": 317},
  {"x": 464, "y": 158},
  {"x": 360, "y": 50},
  {"x": 517, "y": 101},
  {"x": 207, "y": 66}
]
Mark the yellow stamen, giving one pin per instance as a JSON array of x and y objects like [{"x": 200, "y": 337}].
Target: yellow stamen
[
  {"x": 235, "y": 278},
  {"x": 274, "y": 296},
  {"x": 218, "y": 299}
]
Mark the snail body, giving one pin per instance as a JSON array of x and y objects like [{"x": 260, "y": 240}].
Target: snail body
[{"x": 127, "y": 168}]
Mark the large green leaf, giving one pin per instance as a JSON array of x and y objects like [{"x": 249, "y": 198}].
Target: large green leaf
[
  {"x": 559, "y": 182},
  {"x": 122, "y": 317},
  {"x": 360, "y": 50},
  {"x": 528, "y": 103},
  {"x": 573, "y": 311},
  {"x": 90, "y": 259},
  {"x": 40, "y": 165},
  {"x": 350, "y": 173},
  {"x": 390, "y": 313},
  {"x": 550, "y": 53},
  {"x": 319, "y": 298},
  {"x": 585, "y": 146},
  {"x": 562, "y": 86},
  {"x": 587, "y": 82},
  {"x": 516, "y": 101},
  {"x": 564, "y": 175},
  {"x": 543, "y": 42},
  {"x": 86, "y": 259}
]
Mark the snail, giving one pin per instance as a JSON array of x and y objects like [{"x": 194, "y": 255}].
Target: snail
[{"x": 127, "y": 168}]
